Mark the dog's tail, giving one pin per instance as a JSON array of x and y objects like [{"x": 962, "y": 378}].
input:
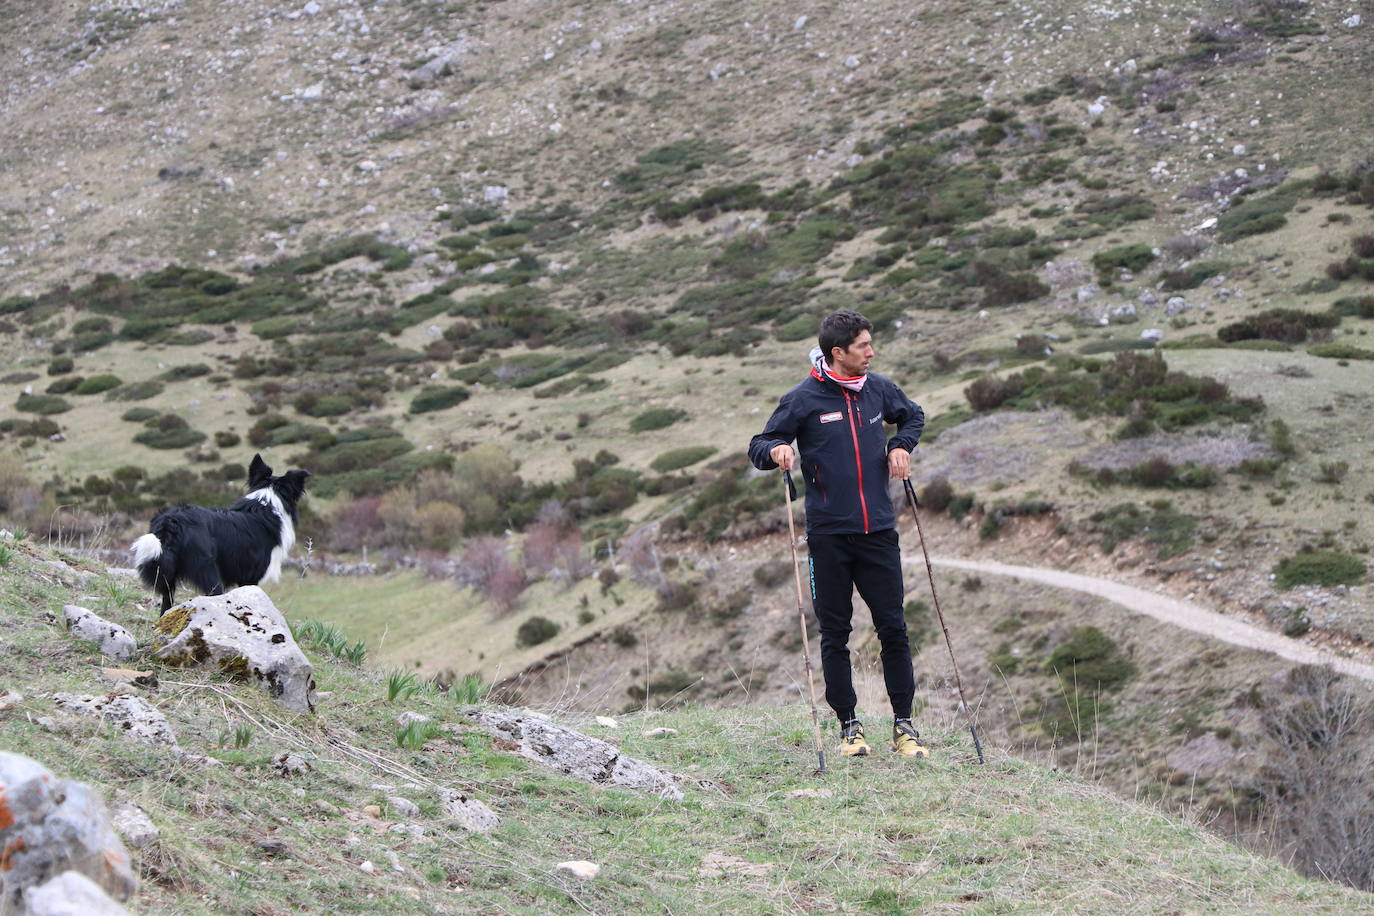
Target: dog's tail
[{"x": 155, "y": 555}]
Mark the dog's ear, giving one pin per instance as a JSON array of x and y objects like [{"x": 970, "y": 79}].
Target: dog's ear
[
  {"x": 258, "y": 473},
  {"x": 292, "y": 484}
]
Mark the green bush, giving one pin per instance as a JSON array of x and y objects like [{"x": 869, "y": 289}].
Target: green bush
[
  {"x": 1340, "y": 351},
  {"x": 1256, "y": 215},
  {"x": 1170, "y": 532},
  {"x": 98, "y": 383},
  {"x": 1320, "y": 567},
  {"x": 136, "y": 391},
  {"x": 139, "y": 414},
  {"x": 535, "y": 631},
  {"x": 656, "y": 418},
  {"x": 1285, "y": 325},
  {"x": 188, "y": 371},
  {"x": 65, "y": 385},
  {"x": 43, "y": 404},
  {"x": 438, "y": 398},
  {"x": 1125, "y": 257},
  {"x": 173, "y": 437},
  {"x": 60, "y": 365},
  {"x": 677, "y": 458},
  {"x": 1090, "y": 660}
]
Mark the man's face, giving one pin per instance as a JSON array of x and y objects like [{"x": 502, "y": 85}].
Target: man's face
[{"x": 855, "y": 358}]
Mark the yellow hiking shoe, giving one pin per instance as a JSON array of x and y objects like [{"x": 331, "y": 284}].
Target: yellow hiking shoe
[
  {"x": 906, "y": 741},
  {"x": 852, "y": 743}
]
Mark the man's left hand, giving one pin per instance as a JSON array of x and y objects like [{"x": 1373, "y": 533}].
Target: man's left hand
[{"x": 899, "y": 463}]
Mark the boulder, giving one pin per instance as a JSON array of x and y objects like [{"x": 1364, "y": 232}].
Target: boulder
[
  {"x": 49, "y": 826},
  {"x": 133, "y": 716},
  {"x": 468, "y": 813},
  {"x": 113, "y": 640},
  {"x": 576, "y": 754},
  {"x": 71, "y": 894},
  {"x": 244, "y": 635},
  {"x": 134, "y": 826}
]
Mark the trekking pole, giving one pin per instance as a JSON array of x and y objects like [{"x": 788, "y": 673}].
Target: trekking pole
[
  {"x": 968, "y": 710},
  {"x": 789, "y": 495}
]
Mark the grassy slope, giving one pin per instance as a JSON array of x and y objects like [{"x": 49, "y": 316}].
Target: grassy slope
[{"x": 892, "y": 838}]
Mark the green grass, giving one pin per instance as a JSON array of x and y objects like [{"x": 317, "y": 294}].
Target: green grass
[{"x": 887, "y": 834}]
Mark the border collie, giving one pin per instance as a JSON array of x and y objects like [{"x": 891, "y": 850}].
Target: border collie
[{"x": 219, "y": 549}]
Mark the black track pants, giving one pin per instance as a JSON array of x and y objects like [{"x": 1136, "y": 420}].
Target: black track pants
[{"x": 873, "y": 563}]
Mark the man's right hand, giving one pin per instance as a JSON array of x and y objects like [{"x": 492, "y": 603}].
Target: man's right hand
[{"x": 784, "y": 457}]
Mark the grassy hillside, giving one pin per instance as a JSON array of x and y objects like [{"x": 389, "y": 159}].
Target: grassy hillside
[{"x": 882, "y": 836}]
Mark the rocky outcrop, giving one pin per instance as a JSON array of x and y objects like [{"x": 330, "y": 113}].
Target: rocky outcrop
[
  {"x": 113, "y": 640},
  {"x": 244, "y": 635},
  {"x": 576, "y": 754},
  {"x": 135, "y": 717}
]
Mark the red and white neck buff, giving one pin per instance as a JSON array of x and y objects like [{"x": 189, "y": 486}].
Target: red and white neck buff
[{"x": 821, "y": 370}]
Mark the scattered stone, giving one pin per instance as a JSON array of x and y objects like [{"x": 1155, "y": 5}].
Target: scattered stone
[
  {"x": 133, "y": 824},
  {"x": 403, "y": 806},
  {"x": 134, "y": 716},
  {"x": 810, "y": 793},
  {"x": 272, "y": 846},
  {"x": 409, "y": 718},
  {"x": 113, "y": 640},
  {"x": 145, "y": 679},
  {"x": 290, "y": 764},
  {"x": 720, "y": 864},
  {"x": 495, "y": 194},
  {"x": 368, "y": 867},
  {"x": 799, "y": 24},
  {"x": 1148, "y": 299},
  {"x": 1176, "y": 305},
  {"x": 243, "y": 634},
  {"x": 660, "y": 732},
  {"x": 373, "y": 811},
  {"x": 1154, "y": 334},
  {"x": 408, "y": 829},
  {"x": 1353, "y": 22},
  {"x": 852, "y": 61},
  {"x": 576, "y": 754},
  {"x": 395, "y": 860},
  {"x": 326, "y": 807},
  {"x": 71, "y": 894},
  {"x": 10, "y": 699},
  {"x": 607, "y": 722},
  {"x": 580, "y": 868},
  {"x": 53, "y": 825},
  {"x": 468, "y": 813}
]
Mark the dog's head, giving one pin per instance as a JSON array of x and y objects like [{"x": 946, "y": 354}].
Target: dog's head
[{"x": 289, "y": 487}]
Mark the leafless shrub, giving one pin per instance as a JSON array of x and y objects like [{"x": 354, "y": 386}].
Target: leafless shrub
[
  {"x": 356, "y": 525},
  {"x": 487, "y": 565},
  {"x": 640, "y": 553},
  {"x": 505, "y": 587},
  {"x": 1314, "y": 781},
  {"x": 1186, "y": 245},
  {"x": 1221, "y": 452}
]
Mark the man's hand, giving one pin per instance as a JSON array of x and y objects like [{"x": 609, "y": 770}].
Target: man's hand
[
  {"x": 784, "y": 457},
  {"x": 899, "y": 464}
]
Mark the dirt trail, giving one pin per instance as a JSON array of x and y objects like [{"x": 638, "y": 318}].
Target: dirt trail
[{"x": 1169, "y": 610}]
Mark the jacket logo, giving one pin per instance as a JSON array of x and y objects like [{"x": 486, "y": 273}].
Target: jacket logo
[
  {"x": 831, "y": 417},
  {"x": 875, "y": 419}
]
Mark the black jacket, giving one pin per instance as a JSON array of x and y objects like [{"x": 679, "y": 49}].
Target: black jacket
[{"x": 843, "y": 449}]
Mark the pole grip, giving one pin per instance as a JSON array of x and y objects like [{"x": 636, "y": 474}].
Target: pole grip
[{"x": 791, "y": 487}]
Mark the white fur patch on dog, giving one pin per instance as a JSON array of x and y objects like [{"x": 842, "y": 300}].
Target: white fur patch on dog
[
  {"x": 267, "y": 497},
  {"x": 146, "y": 548}
]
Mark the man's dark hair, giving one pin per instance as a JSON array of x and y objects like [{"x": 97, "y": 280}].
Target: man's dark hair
[{"x": 838, "y": 329}]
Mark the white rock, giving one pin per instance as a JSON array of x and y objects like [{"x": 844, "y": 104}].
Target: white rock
[
  {"x": 70, "y": 894},
  {"x": 607, "y": 722},
  {"x": 495, "y": 194},
  {"x": 1154, "y": 334},
  {"x": 852, "y": 61},
  {"x": 368, "y": 868},
  {"x": 311, "y": 9},
  {"x": 133, "y": 717},
  {"x": 403, "y": 806},
  {"x": 133, "y": 824},
  {"x": 660, "y": 732},
  {"x": 311, "y": 92},
  {"x": 53, "y": 826},
  {"x": 469, "y": 813},
  {"x": 581, "y": 868},
  {"x": 240, "y": 630},
  {"x": 408, "y": 717},
  {"x": 799, "y": 24},
  {"x": 1352, "y": 22},
  {"x": 367, "y": 165},
  {"x": 113, "y": 640},
  {"x": 1238, "y": 149},
  {"x": 810, "y": 793}
]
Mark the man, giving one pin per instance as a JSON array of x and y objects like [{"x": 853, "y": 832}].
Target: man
[{"x": 836, "y": 416}]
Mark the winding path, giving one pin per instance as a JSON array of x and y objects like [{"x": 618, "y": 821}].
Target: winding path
[{"x": 1181, "y": 614}]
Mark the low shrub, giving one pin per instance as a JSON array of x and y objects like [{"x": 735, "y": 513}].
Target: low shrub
[
  {"x": 656, "y": 418},
  {"x": 139, "y": 414},
  {"x": 188, "y": 371},
  {"x": 1340, "y": 351},
  {"x": 678, "y": 458},
  {"x": 43, "y": 404},
  {"x": 171, "y": 437},
  {"x": 534, "y": 631},
  {"x": 60, "y": 365},
  {"x": 136, "y": 391},
  {"x": 937, "y": 495},
  {"x": 1257, "y": 215},
  {"x": 64, "y": 385},
  {"x": 438, "y": 398},
  {"x": 97, "y": 384},
  {"x": 1284, "y": 325},
  {"x": 1090, "y": 659},
  {"x": 772, "y": 573},
  {"x": 1170, "y": 532},
  {"x": 1319, "y": 567},
  {"x": 1124, "y": 257}
]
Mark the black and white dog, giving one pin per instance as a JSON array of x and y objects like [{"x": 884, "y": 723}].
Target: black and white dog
[{"x": 220, "y": 549}]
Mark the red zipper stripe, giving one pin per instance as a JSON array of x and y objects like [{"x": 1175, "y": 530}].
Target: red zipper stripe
[{"x": 863, "y": 504}]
